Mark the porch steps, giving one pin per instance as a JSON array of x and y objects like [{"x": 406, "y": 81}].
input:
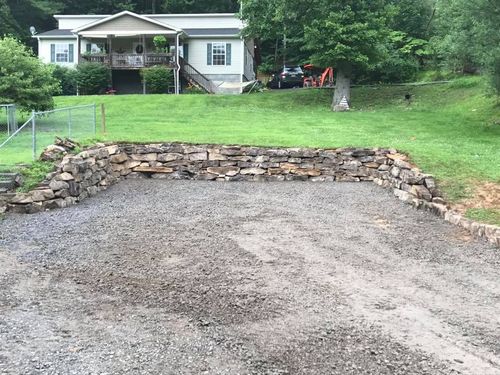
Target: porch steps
[{"x": 196, "y": 78}]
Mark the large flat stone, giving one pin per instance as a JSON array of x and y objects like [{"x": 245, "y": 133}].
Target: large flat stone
[{"x": 153, "y": 169}]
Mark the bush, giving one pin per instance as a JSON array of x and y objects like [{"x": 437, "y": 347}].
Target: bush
[
  {"x": 34, "y": 174},
  {"x": 67, "y": 79},
  {"x": 394, "y": 69},
  {"x": 24, "y": 79},
  {"x": 92, "y": 78},
  {"x": 158, "y": 79}
]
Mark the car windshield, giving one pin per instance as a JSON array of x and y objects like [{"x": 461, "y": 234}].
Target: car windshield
[{"x": 292, "y": 69}]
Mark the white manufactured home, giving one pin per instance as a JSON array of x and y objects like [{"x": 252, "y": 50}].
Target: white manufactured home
[{"x": 203, "y": 49}]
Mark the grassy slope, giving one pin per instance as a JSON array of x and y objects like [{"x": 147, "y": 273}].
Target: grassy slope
[{"x": 449, "y": 130}]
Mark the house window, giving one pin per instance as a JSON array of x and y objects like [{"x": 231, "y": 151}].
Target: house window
[
  {"x": 62, "y": 52},
  {"x": 219, "y": 53}
]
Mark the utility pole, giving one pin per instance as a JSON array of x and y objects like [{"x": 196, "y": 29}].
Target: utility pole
[{"x": 154, "y": 6}]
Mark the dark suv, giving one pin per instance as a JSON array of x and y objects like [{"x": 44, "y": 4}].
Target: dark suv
[{"x": 289, "y": 76}]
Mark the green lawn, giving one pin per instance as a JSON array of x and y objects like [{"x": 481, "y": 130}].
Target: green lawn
[{"x": 452, "y": 130}]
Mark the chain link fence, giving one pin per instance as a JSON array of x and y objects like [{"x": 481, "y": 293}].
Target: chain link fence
[
  {"x": 8, "y": 121},
  {"x": 31, "y": 138}
]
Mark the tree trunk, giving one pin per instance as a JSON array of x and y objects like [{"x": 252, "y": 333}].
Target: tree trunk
[{"x": 342, "y": 86}]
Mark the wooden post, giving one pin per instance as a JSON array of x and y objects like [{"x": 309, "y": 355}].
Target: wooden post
[
  {"x": 78, "y": 49},
  {"x": 110, "y": 54},
  {"x": 143, "y": 40},
  {"x": 103, "y": 118}
]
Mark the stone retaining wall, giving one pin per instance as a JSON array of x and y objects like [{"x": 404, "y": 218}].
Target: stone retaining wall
[{"x": 85, "y": 174}]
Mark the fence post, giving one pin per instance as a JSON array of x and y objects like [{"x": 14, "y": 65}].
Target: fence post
[
  {"x": 95, "y": 119},
  {"x": 9, "y": 125},
  {"x": 33, "y": 134},
  {"x": 69, "y": 123},
  {"x": 103, "y": 118}
]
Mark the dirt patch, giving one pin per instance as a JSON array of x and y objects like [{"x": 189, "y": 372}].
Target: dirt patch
[
  {"x": 187, "y": 277},
  {"x": 486, "y": 195}
]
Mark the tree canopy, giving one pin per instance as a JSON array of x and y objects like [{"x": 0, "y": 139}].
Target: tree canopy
[{"x": 24, "y": 79}]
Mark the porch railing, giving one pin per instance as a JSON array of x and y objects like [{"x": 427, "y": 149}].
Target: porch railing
[{"x": 130, "y": 60}]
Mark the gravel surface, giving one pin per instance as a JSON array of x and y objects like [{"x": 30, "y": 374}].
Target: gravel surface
[{"x": 190, "y": 277}]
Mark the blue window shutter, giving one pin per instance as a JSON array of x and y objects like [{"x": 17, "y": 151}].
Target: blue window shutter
[
  {"x": 88, "y": 47},
  {"x": 186, "y": 51},
  {"x": 209, "y": 53},
  {"x": 71, "y": 51},
  {"x": 228, "y": 53},
  {"x": 52, "y": 53}
]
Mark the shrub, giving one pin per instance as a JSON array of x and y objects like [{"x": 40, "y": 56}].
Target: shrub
[
  {"x": 34, "y": 174},
  {"x": 92, "y": 78},
  {"x": 24, "y": 79},
  {"x": 395, "y": 68},
  {"x": 158, "y": 79},
  {"x": 67, "y": 79}
]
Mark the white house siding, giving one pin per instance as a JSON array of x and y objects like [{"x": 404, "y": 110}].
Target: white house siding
[
  {"x": 44, "y": 50},
  {"x": 73, "y": 22},
  {"x": 198, "y": 59}
]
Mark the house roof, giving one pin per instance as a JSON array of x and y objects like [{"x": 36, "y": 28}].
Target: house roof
[
  {"x": 125, "y": 13},
  {"x": 56, "y": 33},
  {"x": 212, "y": 32},
  {"x": 187, "y": 15}
]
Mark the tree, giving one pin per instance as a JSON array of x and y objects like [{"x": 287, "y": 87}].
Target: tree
[
  {"x": 467, "y": 34},
  {"x": 24, "y": 79},
  {"x": 347, "y": 34},
  {"x": 8, "y": 26}
]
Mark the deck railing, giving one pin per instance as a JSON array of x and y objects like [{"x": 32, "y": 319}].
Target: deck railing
[{"x": 131, "y": 60}]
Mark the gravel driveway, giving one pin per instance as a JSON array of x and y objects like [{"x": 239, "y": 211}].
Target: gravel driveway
[{"x": 187, "y": 277}]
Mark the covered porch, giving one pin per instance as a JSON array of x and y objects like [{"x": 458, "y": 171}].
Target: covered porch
[
  {"x": 127, "y": 52},
  {"x": 126, "y": 41}
]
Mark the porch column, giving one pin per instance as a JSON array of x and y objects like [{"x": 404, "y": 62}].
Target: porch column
[
  {"x": 143, "y": 41},
  {"x": 78, "y": 49},
  {"x": 110, "y": 48},
  {"x": 178, "y": 67}
]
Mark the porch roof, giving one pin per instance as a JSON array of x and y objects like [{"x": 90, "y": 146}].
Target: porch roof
[
  {"x": 56, "y": 33},
  {"x": 212, "y": 32}
]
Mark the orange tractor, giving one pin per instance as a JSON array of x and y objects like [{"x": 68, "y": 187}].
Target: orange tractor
[{"x": 317, "y": 77}]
